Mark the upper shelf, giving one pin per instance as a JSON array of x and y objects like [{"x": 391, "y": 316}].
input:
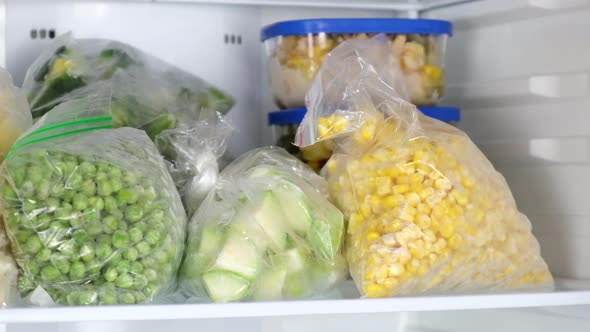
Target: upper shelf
[
  {"x": 396, "y": 5},
  {"x": 344, "y": 300}
]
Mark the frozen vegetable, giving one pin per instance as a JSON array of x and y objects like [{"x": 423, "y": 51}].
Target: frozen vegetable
[
  {"x": 72, "y": 64},
  {"x": 297, "y": 49},
  {"x": 8, "y": 270},
  {"x": 15, "y": 116},
  {"x": 92, "y": 213},
  {"x": 266, "y": 232},
  {"x": 426, "y": 211}
]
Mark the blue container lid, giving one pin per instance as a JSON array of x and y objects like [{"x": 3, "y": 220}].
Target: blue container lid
[
  {"x": 286, "y": 117},
  {"x": 295, "y": 115},
  {"x": 441, "y": 113},
  {"x": 357, "y": 25}
]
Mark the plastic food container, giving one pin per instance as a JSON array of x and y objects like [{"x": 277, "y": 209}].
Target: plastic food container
[
  {"x": 296, "y": 50},
  {"x": 284, "y": 124}
]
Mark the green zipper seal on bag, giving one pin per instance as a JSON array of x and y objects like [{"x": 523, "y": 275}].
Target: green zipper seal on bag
[{"x": 97, "y": 122}]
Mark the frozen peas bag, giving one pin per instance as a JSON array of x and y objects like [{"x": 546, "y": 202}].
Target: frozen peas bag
[
  {"x": 427, "y": 212},
  {"x": 265, "y": 232},
  {"x": 15, "y": 117},
  {"x": 91, "y": 212}
]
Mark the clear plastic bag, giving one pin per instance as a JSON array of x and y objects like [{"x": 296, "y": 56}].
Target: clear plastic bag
[
  {"x": 15, "y": 117},
  {"x": 8, "y": 271},
  {"x": 427, "y": 212},
  {"x": 194, "y": 152},
  {"x": 265, "y": 232},
  {"x": 71, "y": 64},
  {"x": 91, "y": 212}
]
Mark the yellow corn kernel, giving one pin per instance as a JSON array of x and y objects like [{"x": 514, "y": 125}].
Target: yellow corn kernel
[
  {"x": 400, "y": 188},
  {"x": 417, "y": 178},
  {"x": 425, "y": 193},
  {"x": 466, "y": 182},
  {"x": 460, "y": 197},
  {"x": 417, "y": 249},
  {"x": 412, "y": 199},
  {"x": 447, "y": 230},
  {"x": 365, "y": 210},
  {"x": 442, "y": 184},
  {"x": 391, "y": 283},
  {"x": 372, "y": 236},
  {"x": 375, "y": 290},
  {"x": 423, "y": 221},
  {"x": 392, "y": 201},
  {"x": 403, "y": 180},
  {"x": 408, "y": 214},
  {"x": 383, "y": 185},
  {"x": 369, "y": 276},
  {"x": 396, "y": 269},
  {"x": 456, "y": 241}
]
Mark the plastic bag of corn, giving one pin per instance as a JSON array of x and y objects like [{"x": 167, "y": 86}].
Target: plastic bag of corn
[{"x": 427, "y": 212}]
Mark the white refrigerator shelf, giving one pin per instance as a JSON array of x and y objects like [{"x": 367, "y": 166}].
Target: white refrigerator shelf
[{"x": 344, "y": 301}]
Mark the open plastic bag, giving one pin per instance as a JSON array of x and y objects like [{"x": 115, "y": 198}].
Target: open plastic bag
[
  {"x": 194, "y": 152},
  {"x": 15, "y": 117},
  {"x": 266, "y": 232},
  {"x": 91, "y": 212},
  {"x": 71, "y": 64},
  {"x": 426, "y": 211}
]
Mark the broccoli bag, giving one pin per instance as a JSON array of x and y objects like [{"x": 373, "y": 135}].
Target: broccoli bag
[
  {"x": 91, "y": 212},
  {"x": 15, "y": 117},
  {"x": 265, "y": 232},
  {"x": 71, "y": 64},
  {"x": 427, "y": 212}
]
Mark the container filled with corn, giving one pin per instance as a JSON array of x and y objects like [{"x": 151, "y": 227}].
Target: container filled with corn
[
  {"x": 284, "y": 124},
  {"x": 427, "y": 212},
  {"x": 296, "y": 50}
]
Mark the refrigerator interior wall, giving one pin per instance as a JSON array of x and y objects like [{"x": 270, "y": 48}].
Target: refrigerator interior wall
[{"x": 520, "y": 71}]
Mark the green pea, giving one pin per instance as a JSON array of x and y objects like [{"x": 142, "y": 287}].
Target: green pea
[
  {"x": 29, "y": 207},
  {"x": 68, "y": 195},
  {"x": 35, "y": 174},
  {"x": 127, "y": 298},
  {"x": 101, "y": 176},
  {"x": 80, "y": 237},
  {"x": 80, "y": 202},
  {"x": 94, "y": 228},
  {"x": 149, "y": 261},
  {"x": 110, "y": 224},
  {"x": 103, "y": 251},
  {"x": 107, "y": 297},
  {"x": 77, "y": 271},
  {"x": 140, "y": 297},
  {"x": 104, "y": 239},
  {"x": 61, "y": 262},
  {"x": 25, "y": 282},
  {"x": 12, "y": 220},
  {"x": 110, "y": 274},
  {"x": 115, "y": 258},
  {"x": 87, "y": 169},
  {"x": 18, "y": 176},
  {"x": 52, "y": 204},
  {"x": 49, "y": 273},
  {"x": 27, "y": 189},
  {"x": 123, "y": 266},
  {"x": 88, "y": 297},
  {"x": 31, "y": 267},
  {"x": 96, "y": 203},
  {"x": 150, "y": 290},
  {"x": 110, "y": 204},
  {"x": 151, "y": 275},
  {"x": 139, "y": 282},
  {"x": 135, "y": 234},
  {"x": 43, "y": 255},
  {"x": 93, "y": 266},
  {"x": 8, "y": 193},
  {"x": 88, "y": 188},
  {"x": 152, "y": 237},
  {"x": 41, "y": 223},
  {"x": 136, "y": 268},
  {"x": 68, "y": 248},
  {"x": 103, "y": 167},
  {"x": 75, "y": 219},
  {"x": 43, "y": 189},
  {"x": 74, "y": 181},
  {"x": 86, "y": 252},
  {"x": 117, "y": 186},
  {"x": 33, "y": 244},
  {"x": 114, "y": 172},
  {"x": 120, "y": 239},
  {"x": 124, "y": 280},
  {"x": 130, "y": 179},
  {"x": 57, "y": 190},
  {"x": 143, "y": 248},
  {"x": 123, "y": 196},
  {"x": 131, "y": 254},
  {"x": 104, "y": 188},
  {"x": 73, "y": 298},
  {"x": 133, "y": 213}
]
